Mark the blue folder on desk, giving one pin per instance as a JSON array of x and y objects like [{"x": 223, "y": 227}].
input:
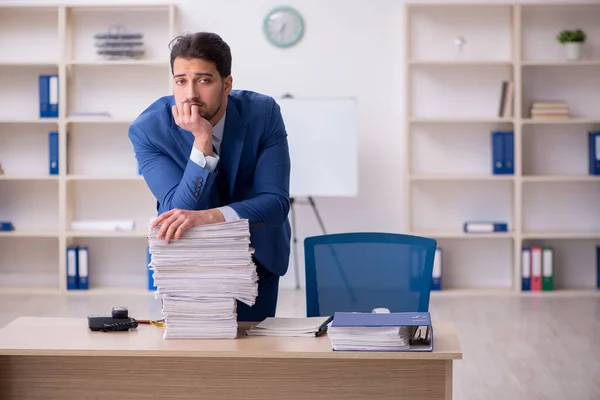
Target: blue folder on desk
[{"x": 420, "y": 322}]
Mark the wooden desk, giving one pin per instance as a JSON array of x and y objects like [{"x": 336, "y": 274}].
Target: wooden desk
[{"x": 59, "y": 358}]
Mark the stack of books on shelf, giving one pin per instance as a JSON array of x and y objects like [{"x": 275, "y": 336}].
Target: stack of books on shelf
[
  {"x": 200, "y": 276},
  {"x": 549, "y": 110}
]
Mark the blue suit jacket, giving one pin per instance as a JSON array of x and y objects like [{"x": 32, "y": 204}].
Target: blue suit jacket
[{"x": 252, "y": 175}]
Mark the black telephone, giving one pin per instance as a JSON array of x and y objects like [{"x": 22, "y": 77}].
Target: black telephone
[{"x": 117, "y": 322}]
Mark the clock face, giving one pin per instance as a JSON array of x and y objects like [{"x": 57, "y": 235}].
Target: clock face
[{"x": 283, "y": 27}]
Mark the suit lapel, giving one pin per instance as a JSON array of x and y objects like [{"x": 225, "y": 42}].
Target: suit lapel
[{"x": 234, "y": 135}]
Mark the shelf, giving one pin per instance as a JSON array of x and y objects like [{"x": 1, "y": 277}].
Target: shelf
[
  {"x": 91, "y": 90},
  {"x": 463, "y": 235},
  {"x": 452, "y": 101},
  {"x": 99, "y": 178},
  {"x": 492, "y": 292},
  {"x": 561, "y": 235},
  {"x": 456, "y": 93},
  {"x": 461, "y": 177},
  {"x": 94, "y": 291},
  {"x": 29, "y": 234},
  {"x": 151, "y": 21},
  {"x": 465, "y": 120},
  {"x": 432, "y": 30},
  {"x": 468, "y": 292},
  {"x": 567, "y": 206},
  {"x": 460, "y": 63},
  {"x": 105, "y": 177},
  {"x": 29, "y": 262},
  {"x": 114, "y": 290},
  {"x": 557, "y": 121},
  {"x": 99, "y": 120},
  {"x": 9, "y": 120},
  {"x": 431, "y": 203},
  {"x": 577, "y": 63},
  {"x": 107, "y": 234},
  {"x": 29, "y": 177},
  {"x": 21, "y": 88},
  {"x": 141, "y": 62},
  {"x": 28, "y": 35},
  {"x": 27, "y": 64},
  {"x": 30, "y": 205},
  {"x": 561, "y": 178},
  {"x": 28, "y": 290}
]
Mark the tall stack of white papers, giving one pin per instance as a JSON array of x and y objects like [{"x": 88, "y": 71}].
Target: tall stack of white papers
[{"x": 200, "y": 276}]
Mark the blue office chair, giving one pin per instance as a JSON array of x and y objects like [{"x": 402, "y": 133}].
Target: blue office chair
[{"x": 358, "y": 272}]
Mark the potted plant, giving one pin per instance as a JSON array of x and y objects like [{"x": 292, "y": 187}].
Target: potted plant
[{"x": 573, "y": 41}]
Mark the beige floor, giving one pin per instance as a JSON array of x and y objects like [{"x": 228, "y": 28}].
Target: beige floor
[{"x": 514, "y": 347}]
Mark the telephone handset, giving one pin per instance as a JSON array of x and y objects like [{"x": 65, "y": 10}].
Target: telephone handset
[{"x": 118, "y": 321}]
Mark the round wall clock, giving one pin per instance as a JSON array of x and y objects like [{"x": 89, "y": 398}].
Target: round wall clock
[{"x": 283, "y": 26}]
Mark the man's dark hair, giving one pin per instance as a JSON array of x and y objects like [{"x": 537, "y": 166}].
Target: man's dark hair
[{"x": 205, "y": 45}]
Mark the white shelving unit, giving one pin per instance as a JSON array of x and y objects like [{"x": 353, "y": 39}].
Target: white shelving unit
[
  {"x": 452, "y": 102},
  {"x": 98, "y": 177}
]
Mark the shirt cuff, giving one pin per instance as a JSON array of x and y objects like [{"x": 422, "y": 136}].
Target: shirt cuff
[
  {"x": 207, "y": 162},
  {"x": 229, "y": 213}
]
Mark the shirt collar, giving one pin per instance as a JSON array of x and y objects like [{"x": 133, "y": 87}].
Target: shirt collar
[{"x": 219, "y": 128}]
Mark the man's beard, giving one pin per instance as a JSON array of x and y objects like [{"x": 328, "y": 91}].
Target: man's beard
[{"x": 208, "y": 115}]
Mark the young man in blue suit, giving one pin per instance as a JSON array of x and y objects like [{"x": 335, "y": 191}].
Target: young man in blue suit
[{"x": 212, "y": 154}]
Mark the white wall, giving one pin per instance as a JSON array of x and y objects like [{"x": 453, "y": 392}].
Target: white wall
[{"x": 351, "y": 48}]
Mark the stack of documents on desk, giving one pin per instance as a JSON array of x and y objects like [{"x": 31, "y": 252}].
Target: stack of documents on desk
[
  {"x": 410, "y": 331},
  {"x": 200, "y": 276},
  {"x": 289, "y": 326}
]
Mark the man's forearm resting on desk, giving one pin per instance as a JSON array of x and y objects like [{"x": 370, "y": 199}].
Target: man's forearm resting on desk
[{"x": 210, "y": 163}]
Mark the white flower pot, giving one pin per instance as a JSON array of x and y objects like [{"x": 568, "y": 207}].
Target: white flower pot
[{"x": 573, "y": 50}]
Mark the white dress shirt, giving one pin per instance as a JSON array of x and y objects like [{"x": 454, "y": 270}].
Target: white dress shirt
[{"x": 210, "y": 163}]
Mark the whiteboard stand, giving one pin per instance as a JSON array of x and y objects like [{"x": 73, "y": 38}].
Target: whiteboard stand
[{"x": 312, "y": 203}]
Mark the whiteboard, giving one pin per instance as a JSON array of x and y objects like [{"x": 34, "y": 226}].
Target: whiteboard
[{"x": 322, "y": 137}]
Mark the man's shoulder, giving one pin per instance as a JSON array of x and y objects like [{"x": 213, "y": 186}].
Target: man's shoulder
[
  {"x": 156, "y": 114},
  {"x": 252, "y": 104}
]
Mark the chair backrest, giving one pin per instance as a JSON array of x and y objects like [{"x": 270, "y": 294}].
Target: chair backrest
[{"x": 358, "y": 272}]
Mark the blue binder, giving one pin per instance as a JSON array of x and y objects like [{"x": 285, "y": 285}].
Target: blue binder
[
  {"x": 72, "y": 267},
  {"x": 6, "y": 226},
  {"x": 509, "y": 152},
  {"x": 497, "y": 153},
  {"x": 151, "y": 285},
  {"x": 402, "y": 319},
  {"x": 484, "y": 227},
  {"x": 503, "y": 152},
  {"x": 53, "y": 153},
  {"x": 83, "y": 270},
  {"x": 594, "y": 152},
  {"x": 598, "y": 266},
  {"x": 48, "y": 93},
  {"x": 436, "y": 276},
  {"x": 526, "y": 269}
]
